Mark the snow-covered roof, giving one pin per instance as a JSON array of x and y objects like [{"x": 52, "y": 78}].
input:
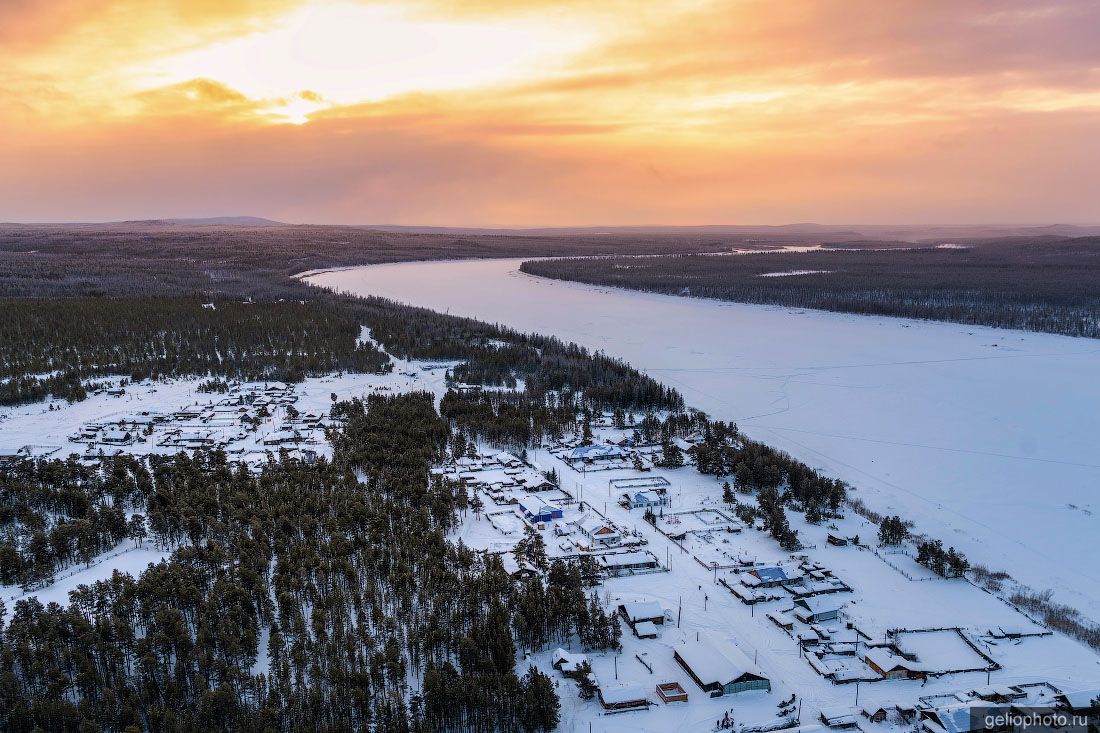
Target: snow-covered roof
[
  {"x": 714, "y": 661},
  {"x": 590, "y": 524},
  {"x": 1081, "y": 698},
  {"x": 819, "y": 604},
  {"x": 582, "y": 452},
  {"x": 886, "y": 660},
  {"x": 567, "y": 661},
  {"x": 643, "y": 609},
  {"x": 621, "y": 694},
  {"x": 953, "y": 718},
  {"x": 645, "y": 628},
  {"x": 536, "y": 506},
  {"x": 774, "y": 574},
  {"x": 622, "y": 559}
]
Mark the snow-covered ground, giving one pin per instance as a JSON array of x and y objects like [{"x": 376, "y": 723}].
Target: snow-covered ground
[{"x": 986, "y": 438}]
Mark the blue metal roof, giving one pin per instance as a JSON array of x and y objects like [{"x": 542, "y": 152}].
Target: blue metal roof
[{"x": 771, "y": 575}]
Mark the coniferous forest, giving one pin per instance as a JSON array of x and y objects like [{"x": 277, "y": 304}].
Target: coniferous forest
[
  {"x": 340, "y": 570},
  {"x": 1036, "y": 284}
]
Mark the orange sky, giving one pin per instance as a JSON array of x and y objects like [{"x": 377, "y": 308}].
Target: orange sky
[{"x": 512, "y": 113}]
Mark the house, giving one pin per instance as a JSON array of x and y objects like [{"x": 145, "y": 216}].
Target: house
[
  {"x": 840, "y": 719},
  {"x": 875, "y": 713},
  {"x": 683, "y": 445},
  {"x": 643, "y": 499},
  {"x": 625, "y": 563},
  {"x": 538, "y": 511},
  {"x": 770, "y": 577},
  {"x": 720, "y": 669},
  {"x": 892, "y": 666},
  {"x": 636, "y": 612},
  {"x": 12, "y": 456},
  {"x": 816, "y": 609},
  {"x": 671, "y": 692},
  {"x": 592, "y": 453},
  {"x": 280, "y": 437},
  {"x": 116, "y": 436},
  {"x": 645, "y": 630},
  {"x": 568, "y": 663},
  {"x": 599, "y": 531},
  {"x": 623, "y": 697},
  {"x": 951, "y": 719},
  {"x": 781, "y": 620},
  {"x": 516, "y": 569}
]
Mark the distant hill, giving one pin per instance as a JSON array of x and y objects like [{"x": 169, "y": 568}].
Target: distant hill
[
  {"x": 818, "y": 232},
  {"x": 234, "y": 221}
]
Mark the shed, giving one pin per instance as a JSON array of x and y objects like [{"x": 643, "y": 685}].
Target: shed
[
  {"x": 840, "y": 718},
  {"x": 645, "y": 630}
]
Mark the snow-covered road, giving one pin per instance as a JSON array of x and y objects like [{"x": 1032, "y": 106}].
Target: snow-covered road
[{"x": 986, "y": 438}]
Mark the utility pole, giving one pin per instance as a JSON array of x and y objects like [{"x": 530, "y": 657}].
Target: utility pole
[{"x": 679, "y": 610}]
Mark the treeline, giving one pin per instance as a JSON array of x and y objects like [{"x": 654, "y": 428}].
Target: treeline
[
  {"x": 51, "y": 346},
  {"x": 498, "y": 356},
  {"x": 156, "y": 259},
  {"x": 1045, "y": 284},
  {"x": 319, "y": 597}
]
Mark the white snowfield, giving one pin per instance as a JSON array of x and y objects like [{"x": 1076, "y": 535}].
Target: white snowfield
[{"x": 986, "y": 438}]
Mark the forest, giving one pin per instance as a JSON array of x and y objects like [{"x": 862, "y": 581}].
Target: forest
[
  {"x": 1049, "y": 284},
  {"x": 51, "y": 346}
]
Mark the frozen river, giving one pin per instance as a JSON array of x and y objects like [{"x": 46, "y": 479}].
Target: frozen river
[{"x": 988, "y": 439}]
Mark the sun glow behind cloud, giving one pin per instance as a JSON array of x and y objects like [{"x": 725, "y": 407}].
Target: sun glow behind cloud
[{"x": 335, "y": 54}]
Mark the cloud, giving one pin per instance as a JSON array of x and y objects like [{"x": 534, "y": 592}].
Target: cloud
[{"x": 684, "y": 112}]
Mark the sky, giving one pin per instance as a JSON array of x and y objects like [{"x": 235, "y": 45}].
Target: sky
[{"x": 511, "y": 113}]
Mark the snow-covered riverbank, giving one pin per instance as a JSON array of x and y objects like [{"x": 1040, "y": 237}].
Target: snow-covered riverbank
[{"x": 986, "y": 438}]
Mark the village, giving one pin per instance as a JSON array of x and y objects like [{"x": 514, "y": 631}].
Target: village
[
  {"x": 252, "y": 422},
  {"x": 721, "y": 628}
]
